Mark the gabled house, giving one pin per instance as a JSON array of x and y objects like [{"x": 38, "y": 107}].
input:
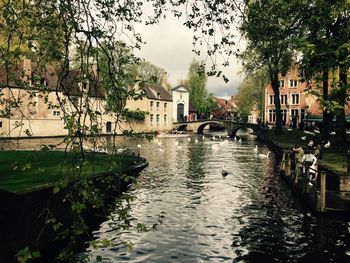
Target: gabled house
[
  {"x": 35, "y": 103},
  {"x": 181, "y": 98},
  {"x": 159, "y": 107},
  {"x": 225, "y": 109}
]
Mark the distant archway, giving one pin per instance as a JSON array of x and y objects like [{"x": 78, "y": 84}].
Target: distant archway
[{"x": 180, "y": 112}]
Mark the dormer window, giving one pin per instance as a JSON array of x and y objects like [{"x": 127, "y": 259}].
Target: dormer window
[{"x": 158, "y": 95}]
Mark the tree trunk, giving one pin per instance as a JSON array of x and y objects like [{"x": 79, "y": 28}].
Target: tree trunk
[
  {"x": 275, "y": 88},
  {"x": 340, "y": 119},
  {"x": 327, "y": 117}
]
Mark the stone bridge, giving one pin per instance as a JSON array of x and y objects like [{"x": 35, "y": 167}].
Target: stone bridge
[{"x": 231, "y": 126}]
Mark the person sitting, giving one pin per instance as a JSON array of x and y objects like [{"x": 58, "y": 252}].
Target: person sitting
[
  {"x": 309, "y": 160},
  {"x": 298, "y": 152}
]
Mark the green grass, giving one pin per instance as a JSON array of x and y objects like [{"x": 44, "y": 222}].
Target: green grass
[
  {"x": 22, "y": 171},
  {"x": 333, "y": 158}
]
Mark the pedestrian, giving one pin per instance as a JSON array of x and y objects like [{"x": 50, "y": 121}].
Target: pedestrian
[
  {"x": 298, "y": 152},
  {"x": 309, "y": 161},
  {"x": 317, "y": 151}
]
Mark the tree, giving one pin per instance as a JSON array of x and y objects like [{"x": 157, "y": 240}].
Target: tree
[
  {"x": 325, "y": 37},
  {"x": 196, "y": 81},
  {"x": 251, "y": 91},
  {"x": 149, "y": 73},
  {"x": 272, "y": 30}
]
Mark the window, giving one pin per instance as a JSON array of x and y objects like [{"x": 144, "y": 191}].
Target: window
[
  {"x": 295, "y": 112},
  {"x": 0, "y": 124},
  {"x": 158, "y": 103},
  {"x": 272, "y": 115},
  {"x": 151, "y": 119},
  {"x": 165, "y": 119},
  {"x": 293, "y": 83},
  {"x": 272, "y": 101},
  {"x": 157, "y": 119},
  {"x": 108, "y": 127},
  {"x": 284, "y": 99},
  {"x": 295, "y": 98},
  {"x": 284, "y": 115},
  {"x": 56, "y": 113},
  {"x": 151, "y": 105},
  {"x": 158, "y": 95},
  {"x": 281, "y": 83},
  {"x": 165, "y": 106}
]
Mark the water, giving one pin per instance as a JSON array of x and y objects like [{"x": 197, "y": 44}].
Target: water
[{"x": 248, "y": 216}]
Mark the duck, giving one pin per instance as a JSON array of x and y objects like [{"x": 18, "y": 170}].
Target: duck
[
  {"x": 261, "y": 155},
  {"x": 224, "y": 173},
  {"x": 327, "y": 145}
]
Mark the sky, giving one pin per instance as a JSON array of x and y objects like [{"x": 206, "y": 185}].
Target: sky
[{"x": 169, "y": 46}]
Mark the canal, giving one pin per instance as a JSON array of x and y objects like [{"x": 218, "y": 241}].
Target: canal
[{"x": 248, "y": 216}]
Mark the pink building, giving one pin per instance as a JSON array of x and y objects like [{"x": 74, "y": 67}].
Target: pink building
[{"x": 293, "y": 99}]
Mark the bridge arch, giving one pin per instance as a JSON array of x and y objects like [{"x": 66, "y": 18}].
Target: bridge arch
[
  {"x": 203, "y": 125},
  {"x": 233, "y": 132},
  {"x": 182, "y": 127}
]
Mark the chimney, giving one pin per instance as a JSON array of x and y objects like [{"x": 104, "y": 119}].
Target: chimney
[{"x": 164, "y": 80}]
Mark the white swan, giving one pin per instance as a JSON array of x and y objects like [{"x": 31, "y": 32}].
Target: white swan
[
  {"x": 256, "y": 149},
  {"x": 327, "y": 145},
  {"x": 311, "y": 143},
  {"x": 303, "y": 138},
  {"x": 261, "y": 155}
]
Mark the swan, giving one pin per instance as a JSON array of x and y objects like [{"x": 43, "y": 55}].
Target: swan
[
  {"x": 332, "y": 133},
  {"x": 311, "y": 143},
  {"x": 196, "y": 140},
  {"x": 256, "y": 149},
  {"x": 327, "y": 145},
  {"x": 311, "y": 133},
  {"x": 189, "y": 139},
  {"x": 303, "y": 138},
  {"x": 261, "y": 155}
]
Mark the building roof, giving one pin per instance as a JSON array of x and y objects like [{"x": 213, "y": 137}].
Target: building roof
[
  {"x": 222, "y": 103},
  {"x": 179, "y": 87},
  {"x": 49, "y": 78},
  {"x": 156, "y": 92}
]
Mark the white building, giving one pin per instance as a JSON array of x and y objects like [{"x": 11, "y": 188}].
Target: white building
[{"x": 181, "y": 99}]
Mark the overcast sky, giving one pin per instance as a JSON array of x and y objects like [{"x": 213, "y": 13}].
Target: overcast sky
[{"x": 169, "y": 46}]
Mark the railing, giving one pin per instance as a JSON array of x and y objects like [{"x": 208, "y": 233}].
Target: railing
[{"x": 302, "y": 180}]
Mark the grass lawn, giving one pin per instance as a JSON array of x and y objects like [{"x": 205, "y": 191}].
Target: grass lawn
[
  {"x": 332, "y": 158},
  {"x": 22, "y": 171}
]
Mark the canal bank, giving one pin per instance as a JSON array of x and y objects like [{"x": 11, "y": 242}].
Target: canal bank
[
  {"x": 329, "y": 193},
  {"x": 38, "y": 219}
]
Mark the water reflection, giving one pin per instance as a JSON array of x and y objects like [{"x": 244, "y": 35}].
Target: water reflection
[{"x": 248, "y": 216}]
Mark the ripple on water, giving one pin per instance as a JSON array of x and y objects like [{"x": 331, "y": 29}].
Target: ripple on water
[{"x": 247, "y": 216}]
